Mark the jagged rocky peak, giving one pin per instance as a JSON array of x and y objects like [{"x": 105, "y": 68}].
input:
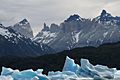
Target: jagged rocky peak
[
  {"x": 107, "y": 19},
  {"x": 24, "y": 21},
  {"x": 105, "y": 14},
  {"x": 24, "y": 28},
  {"x": 74, "y": 17},
  {"x": 1, "y": 25},
  {"x": 72, "y": 23},
  {"x": 45, "y": 28},
  {"x": 54, "y": 27}
]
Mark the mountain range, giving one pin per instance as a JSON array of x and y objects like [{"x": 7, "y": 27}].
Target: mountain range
[
  {"x": 80, "y": 32},
  {"x": 74, "y": 32}
]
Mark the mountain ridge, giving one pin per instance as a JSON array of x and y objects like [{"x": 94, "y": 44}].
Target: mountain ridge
[{"x": 79, "y": 32}]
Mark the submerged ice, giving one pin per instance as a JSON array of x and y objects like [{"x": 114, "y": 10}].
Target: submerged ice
[{"x": 71, "y": 71}]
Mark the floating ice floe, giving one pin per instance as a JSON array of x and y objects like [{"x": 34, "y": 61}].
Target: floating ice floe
[{"x": 71, "y": 71}]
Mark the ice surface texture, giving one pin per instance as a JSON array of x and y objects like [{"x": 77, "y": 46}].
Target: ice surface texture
[{"x": 71, "y": 71}]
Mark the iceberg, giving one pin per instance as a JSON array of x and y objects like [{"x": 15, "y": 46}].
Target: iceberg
[
  {"x": 88, "y": 70},
  {"x": 70, "y": 65},
  {"x": 71, "y": 71},
  {"x": 6, "y": 78},
  {"x": 65, "y": 75},
  {"x": 23, "y": 75}
]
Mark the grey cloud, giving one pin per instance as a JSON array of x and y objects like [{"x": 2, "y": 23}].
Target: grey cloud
[{"x": 49, "y": 11}]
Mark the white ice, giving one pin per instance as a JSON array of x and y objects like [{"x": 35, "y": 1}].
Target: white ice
[{"x": 71, "y": 71}]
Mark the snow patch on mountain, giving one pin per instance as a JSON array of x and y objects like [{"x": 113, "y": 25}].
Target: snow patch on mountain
[
  {"x": 5, "y": 32},
  {"x": 77, "y": 36},
  {"x": 45, "y": 34},
  {"x": 105, "y": 34}
]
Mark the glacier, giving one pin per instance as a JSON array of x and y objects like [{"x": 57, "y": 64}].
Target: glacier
[{"x": 71, "y": 71}]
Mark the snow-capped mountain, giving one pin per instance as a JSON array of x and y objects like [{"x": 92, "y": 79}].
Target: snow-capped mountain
[
  {"x": 107, "y": 19},
  {"x": 14, "y": 44},
  {"x": 79, "y": 32},
  {"x": 24, "y": 28}
]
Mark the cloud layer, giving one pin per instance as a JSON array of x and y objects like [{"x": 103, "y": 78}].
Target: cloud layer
[{"x": 49, "y": 11}]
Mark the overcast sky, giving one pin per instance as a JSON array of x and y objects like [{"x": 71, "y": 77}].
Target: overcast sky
[{"x": 52, "y": 11}]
